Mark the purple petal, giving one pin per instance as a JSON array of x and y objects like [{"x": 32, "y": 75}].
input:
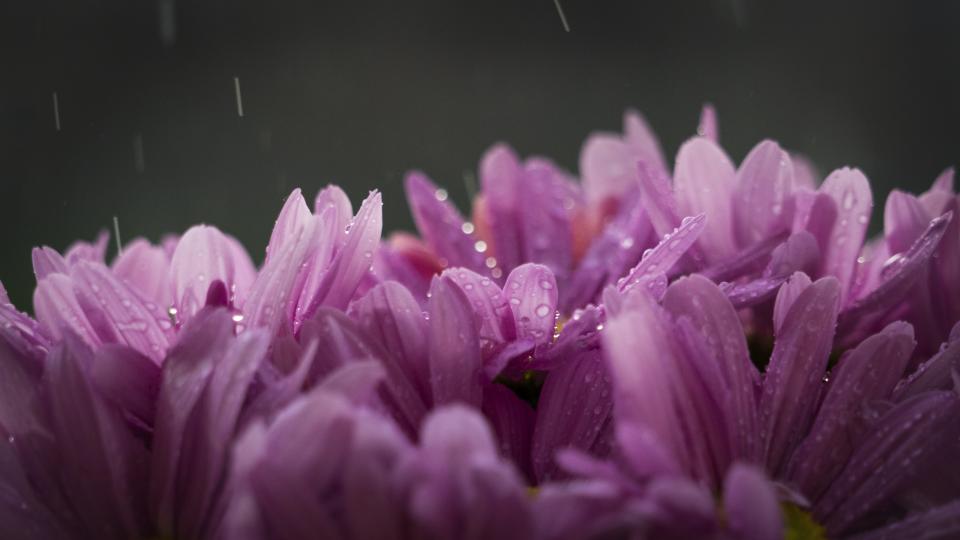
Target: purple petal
[
  {"x": 127, "y": 379},
  {"x": 58, "y": 310},
  {"x": 293, "y": 217},
  {"x": 939, "y": 523},
  {"x": 786, "y": 296},
  {"x": 454, "y": 345},
  {"x": 390, "y": 315},
  {"x": 145, "y": 268},
  {"x": 850, "y": 191},
  {"x": 609, "y": 256},
  {"x": 751, "y": 505},
  {"x": 665, "y": 255},
  {"x": 207, "y": 442},
  {"x": 186, "y": 372},
  {"x": 934, "y": 374},
  {"x": 47, "y": 261},
  {"x": 816, "y": 213},
  {"x": 440, "y": 224},
  {"x": 334, "y": 197},
  {"x": 356, "y": 381},
  {"x": 658, "y": 198},
  {"x": 644, "y": 452},
  {"x": 19, "y": 382},
  {"x": 865, "y": 374},
  {"x": 101, "y": 464},
  {"x": 904, "y": 220},
  {"x": 118, "y": 311},
  {"x": 608, "y": 167},
  {"x": 354, "y": 259},
  {"x": 704, "y": 180},
  {"x": 764, "y": 193},
  {"x": 497, "y": 324},
  {"x": 895, "y": 451},
  {"x": 799, "y": 252},
  {"x": 574, "y": 403},
  {"x": 898, "y": 277},
  {"x": 642, "y": 141},
  {"x": 203, "y": 256},
  {"x": 708, "y": 126},
  {"x": 512, "y": 420},
  {"x": 799, "y": 360},
  {"x": 751, "y": 260},
  {"x": 500, "y": 177},
  {"x": 544, "y": 220},
  {"x": 532, "y": 292},
  {"x": 22, "y": 333},
  {"x": 805, "y": 173},
  {"x": 85, "y": 251},
  {"x": 711, "y": 313}
]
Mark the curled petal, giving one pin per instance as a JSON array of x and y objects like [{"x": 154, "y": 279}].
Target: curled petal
[
  {"x": 851, "y": 193},
  {"x": 47, "y": 261},
  {"x": 146, "y": 268},
  {"x": 203, "y": 255},
  {"x": 531, "y": 291}
]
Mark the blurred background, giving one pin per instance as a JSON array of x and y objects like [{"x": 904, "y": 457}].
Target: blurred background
[{"x": 129, "y": 108}]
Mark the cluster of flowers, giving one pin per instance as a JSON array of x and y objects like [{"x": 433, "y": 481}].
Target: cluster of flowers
[{"x": 712, "y": 352}]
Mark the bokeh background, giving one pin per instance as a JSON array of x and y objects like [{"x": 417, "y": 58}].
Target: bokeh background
[{"x": 359, "y": 92}]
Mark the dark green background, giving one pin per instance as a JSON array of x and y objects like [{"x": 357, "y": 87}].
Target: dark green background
[{"x": 358, "y": 92}]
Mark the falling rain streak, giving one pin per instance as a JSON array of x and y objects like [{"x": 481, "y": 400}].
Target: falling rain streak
[
  {"x": 56, "y": 111},
  {"x": 167, "y": 21},
  {"x": 236, "y": 88},
  {"x": 563, "y": 18},
  {"x": 116, "y": 235}
]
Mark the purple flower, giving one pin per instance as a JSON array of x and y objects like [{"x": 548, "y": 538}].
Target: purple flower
[{"x": 850, "y": 443}]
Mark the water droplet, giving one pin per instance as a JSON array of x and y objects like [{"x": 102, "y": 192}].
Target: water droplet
[
  {"x": 237, "y": 317},
  {"x": 491, "y": 263},
  {"x": 480, "y": 246},
  {"x": 440, "y": 194},
  {"x": 515, "y": 301},
  {"x": 862, "y": 219},
  {"x": 497, "y": 273},
  {"x": 546, "y": 285},
  {"x": 848, "y": 200},
  {"x": 626, "y": 243},
  {"x": 467, "y": 228},
  {"x": 542, "y": 310},
  {"x": 468, "y": 286}
]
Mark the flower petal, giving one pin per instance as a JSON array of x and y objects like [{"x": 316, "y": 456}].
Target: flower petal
[
  {"x": 939, "y": 523},
  {"x": 751, "y": 504},
  {"x": 892, "y": 453},
  {"x": 608, "y": 167},
  {"x": 663, "y": 257},
  {"x": 545, "y": 221},
  {"x": 786, "y": 296},
  {"x": 389, "y": 314},
  {"x": 574, "y": 403},
  {"x": 293, "y": 217},
  {"x": 934, "y": 374},
  {"x": 704, "y": 180},
  {"x": 203, "y": 256},
  {"x": 500, "y": 177},
  {"x": 764, "y": 194},
  {"x": 497, "y": 325},
  {"x": 440, "y": 224},
  {"x": 708, "y": 126},
  {"x": 512, "y": 420},
  {"x": 454, "y": 345},
  {"x": 799, "y": 360},
  {"x": 146, "y": 268},
  {"x": 850, "y": 191},
  {"x": 58, "y": 310},
  {"x": 532, "y": 292},
  {"x": 85, "y": 251},
  {"x": 865, "y": 374},
  {"x": 904, "y": 220},
  {"x": 334, "y": 197},
  {"x": 101, "y": 464},
  {"x": 711, "y": 313},
  {"x": 127, "y": 379},
  {"x": 47, "y": 261}
]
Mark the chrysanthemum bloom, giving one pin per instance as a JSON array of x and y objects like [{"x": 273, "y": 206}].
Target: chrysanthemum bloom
[{"x": 860, "y": 447}]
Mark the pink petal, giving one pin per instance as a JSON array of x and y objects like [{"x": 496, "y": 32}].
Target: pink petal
[
  {"x": 47, "y": 261},
  {"x": 643, "y": 142},
  {"x": 850, "y": 191},
  {"x": 145, "y": 268},
  {"x": 334, "y": 197},
  {"x": 608, "y": 167},
  {"x": 203, "y": 256},
  {"x": 764, "y": 193},
  {"x": 440, "y": 224},
  {"x": 293, "y": 217},
  {"x": 708, "y": 126},
  {"x": 454, "y": 345},
  {"x": 663, "y": 257},
  {"x": 904, "y": 220},
  {"x": 799, "y": 360},
  {"x": 704, "y": 180},
  {"x": 544, "y": 219},
  {"x": 786, "y": 296},
  {"x": 500, "y": 177},
  {"x": 490, "y": 305},
  {"x": 58, "y": 310},
  {"x": 751, "y": 505},
  {"x": 531, "y": 290}
]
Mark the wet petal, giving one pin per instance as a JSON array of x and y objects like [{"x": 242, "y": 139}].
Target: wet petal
[
  {"x": 574, "y": 403},
  {"x": 85, "y": 251},
  {"x": 799, "y": 360},
  {"x": 708, "y": 126},
  {"x": 934, "y": 374},
  {"x": 389, "y": 314},
  {"x": 101, "y": 464},
  {"x": 751, "y": 505},
  {"x": 764, "y": 193},
  {"x": 939, "y": 523},
  {"x": 293, "y": 217},
  {"x": 642, "y": 141},
  {"x": 892, "y": 453},
  {"x": 865, "y": 374},
  {"x": 663, "y": 257},
  {"x": 354, "y": 259},
  {"x": 904, "y": 221},
  {"x": 545, "y": 221},
  {"x": 440, "y": 224},
  {"x": 127, "y": 379},
  {"x": 146, "y": 267},
  {"x": 500, "y": 177},
  {"x": 58, "y": 310},
  {"x": 47, "y": 261},
  {"x": 497, "y": 325},
  {"x": 851, "y": 193},
  {"x": 203, "y": 256},
  {"x": 334, "y": 197},
  {"x": 786, "y": 296},
  {"x": 531, "y": 291},
  {"x": 805, "y": 173},
  {"x": 512, "y": 420},
  {"x": 898, "y": 276},
  {"x": 608, "y": 167},
  {"x": 711, "y": 313},
  {"x": 454, "y": 345},
  {"x": 704, "y": 180}
]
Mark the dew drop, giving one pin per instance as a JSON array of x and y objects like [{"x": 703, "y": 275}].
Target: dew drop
[
  {"x": 626, "y": 243},
  {"x": 542, "y": 310},
  {"x": 546, "y": 285},
  {"x": 467, "y": 228},
  {"x": 480, "y": 246},
  {"x": 440, "y": 194}
]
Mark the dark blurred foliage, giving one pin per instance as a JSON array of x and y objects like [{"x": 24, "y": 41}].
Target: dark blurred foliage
[{"x": 359, "y": 92}]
